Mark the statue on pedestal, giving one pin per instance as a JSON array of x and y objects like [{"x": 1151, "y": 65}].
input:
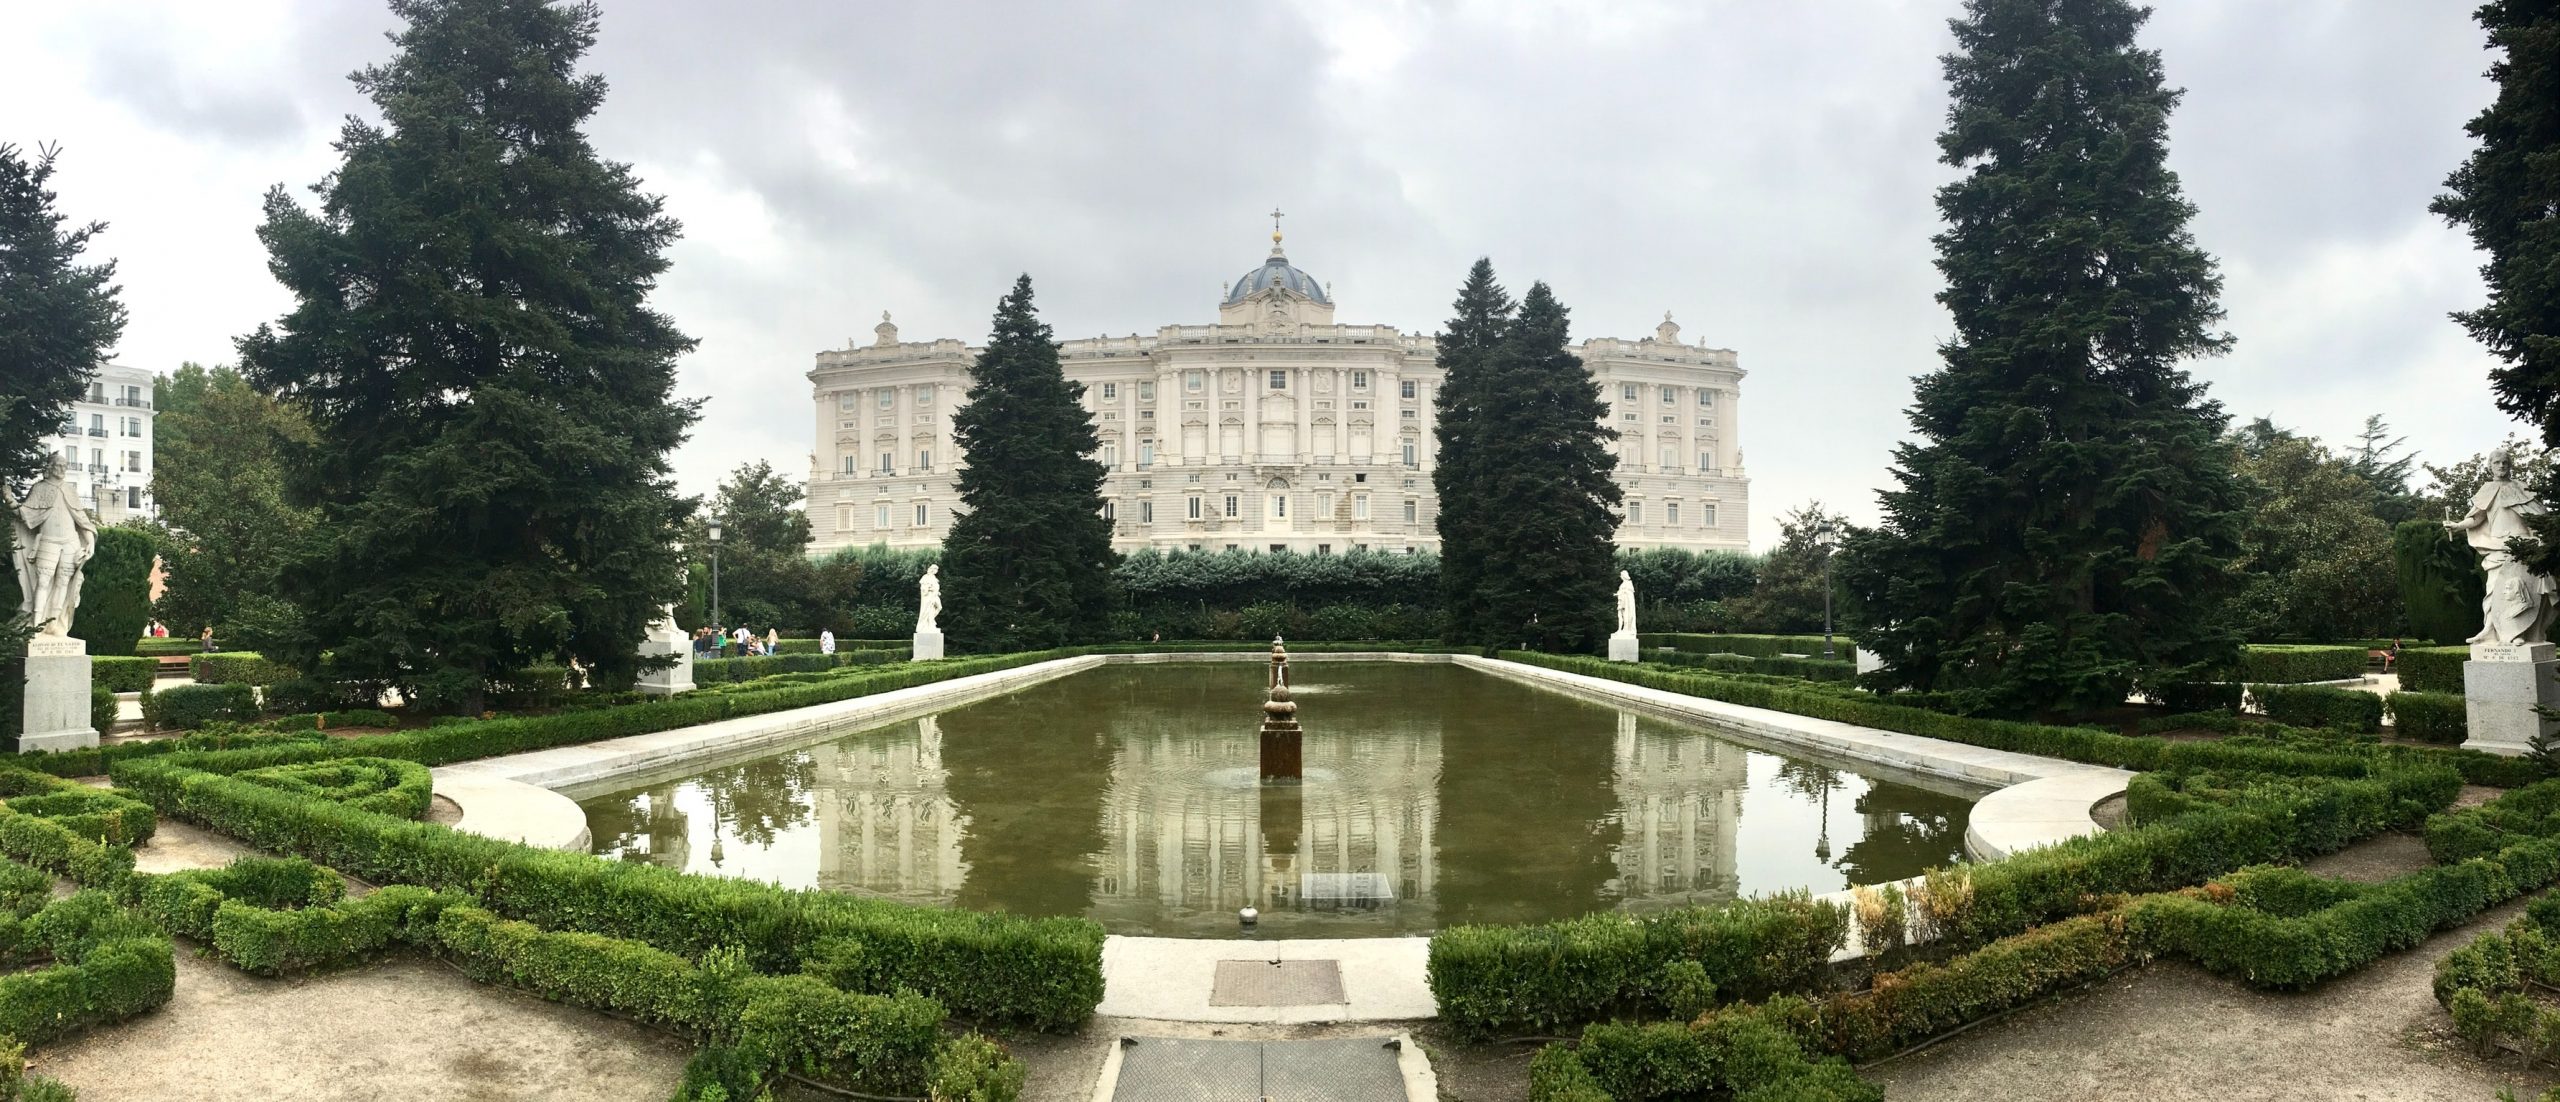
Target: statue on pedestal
[
  {"x": 54, "y": 539},
  {"x": 1626, "y": 604},
  {"x": 2517, "y": 608},
  {"x": 929, "y": 600}
]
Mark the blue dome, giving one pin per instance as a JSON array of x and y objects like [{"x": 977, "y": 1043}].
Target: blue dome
[{"x": 1277, "y": 272}]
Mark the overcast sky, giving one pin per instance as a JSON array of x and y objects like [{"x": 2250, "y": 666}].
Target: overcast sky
[{"x": 1764, "y": 171}]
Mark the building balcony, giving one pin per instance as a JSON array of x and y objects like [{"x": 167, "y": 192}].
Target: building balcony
[
  {"x": 134, "y": 403},
  {"x": 96, "y": 431}
]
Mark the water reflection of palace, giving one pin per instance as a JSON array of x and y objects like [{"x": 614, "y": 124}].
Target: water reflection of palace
[
  {"x": 1679, "y": 812},
  {"x": 1187, "y": 829},
  {"x": 887, "y": 825}
]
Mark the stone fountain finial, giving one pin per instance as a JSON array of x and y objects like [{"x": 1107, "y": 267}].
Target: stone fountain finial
[{"x": 1281, "y": 751}]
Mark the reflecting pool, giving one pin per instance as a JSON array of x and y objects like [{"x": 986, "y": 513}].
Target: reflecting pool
[{"x": 1434, "y": 795}]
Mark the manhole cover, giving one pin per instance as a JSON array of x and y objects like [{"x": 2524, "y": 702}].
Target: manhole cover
[
  {"x": 1351, "y": 1069},
  {"x": 1277, "y": 983}
]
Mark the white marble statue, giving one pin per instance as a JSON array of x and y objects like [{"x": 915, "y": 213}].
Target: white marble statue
[
  {"x": 2517, "y": 608},
  {"x": 1626, "y": 604},
  {"x": 929, "y": 600},
  {"x": 55, "y": 538}
]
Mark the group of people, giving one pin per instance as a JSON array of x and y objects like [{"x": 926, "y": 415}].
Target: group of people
[{"x": 714, "y": 642}]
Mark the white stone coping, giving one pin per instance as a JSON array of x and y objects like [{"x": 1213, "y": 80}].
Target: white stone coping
[{"x": 2038, "y": 801}]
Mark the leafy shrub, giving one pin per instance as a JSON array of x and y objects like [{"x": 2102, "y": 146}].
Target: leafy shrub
[
  {"x": 2188, "y": 697},
  {"x": 115, "y": 590},
  {"x": 188, "y": 707},
  {"x": 386, "y": 786},
  {"x": 714, "y": 671},
  {"x": 2430, "y": 717},
  {"x": 2292, "y": 664},
  {"x": 1754, "y": 646},
  {"x": 330, "y": 721},
  {"x": 108, "y": 965},
  {"x": 1920, "y": 1002},
  {"x": 241, "y": 667},
  {"x": 1578, "y": 970},
  {"x": 2320, "y": 706},
  {"x": 150, "y": 647},
  {"x": 298, "y": 695},
  {"x": 102, "y": 709},
  {"x": 123, "y": 674},
  {"x": 2432, "y": 669},
  {"x": 1809, "y": 669}
]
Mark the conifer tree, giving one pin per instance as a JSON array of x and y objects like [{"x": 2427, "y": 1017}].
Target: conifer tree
[
  {"x": 491, "y": 393},
  {"x": 2064, "y": 526},
  {"x": 1544, "y": 488},
  {"x": 58, "y": 316},
  {"x": 1028, "y": 560},
  {"x": 1468, "y": 532},
  {"x": 2507, "y": 194}
]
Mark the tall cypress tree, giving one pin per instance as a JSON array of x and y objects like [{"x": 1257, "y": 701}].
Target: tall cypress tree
[
  {"x": 2506, "y": 195},
  {"x": 1545, "y": 488},
  {"x": 1028, "y": 561},
  {"x": 58, "y": 317},
  {"x": 2065, "y": 522},
  {"x": 491, "y": 392},
  {"x": 1468, "y": 532}
]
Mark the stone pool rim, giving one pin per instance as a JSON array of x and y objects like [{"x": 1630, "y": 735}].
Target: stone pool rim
[{"x": 2035, "y": 801}]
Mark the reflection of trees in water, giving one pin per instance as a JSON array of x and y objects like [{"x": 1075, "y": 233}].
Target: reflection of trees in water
[
  {"x": 1528, "y": 800},
  {"x": 1906, "y": 828},
  {"x": 1815, "y": 783},
  {"x": 755, "y": 801},
  {"x": 1026, "y": 771},
  {"x": 643, "y": 825}
]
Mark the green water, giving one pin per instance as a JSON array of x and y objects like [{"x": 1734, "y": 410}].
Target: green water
[{"x": 1434, "y": 795}]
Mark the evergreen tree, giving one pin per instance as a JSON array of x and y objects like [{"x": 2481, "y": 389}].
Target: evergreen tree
[
  {"x": 1028, "y": 561},
  {"x": 2377, "y": 459},
  {"x": 58, "y": 317},
  {"x": 2441, "y": 582},
  {"x": 2505, "y": 194},
  {"x": 2316, "y": 562},
  {"x": 115, "y": 589},
  {"x": 1469, "y": 528},
  {"x": 1789, "y": 595},
  {"x": 766, "y": 578},
  {"x": 2064, "y": 525},
  {"x": 491, "y": 393},
  {"x": 1544, "y": 464}
]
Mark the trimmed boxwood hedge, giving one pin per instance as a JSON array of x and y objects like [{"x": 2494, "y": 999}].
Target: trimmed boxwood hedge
[
  {"x": 2432, "y": 669},
  {"x": 2286, "y": 663},
  {"x": 1754, "y": 646},
  {"x": 123, "y": 675},
  {"x": 239, "y": 667},
  {"x": 712, "y": 671},
  {"x": 2430, "y": 717},
  {"x": 1810, "y": 669},
  {"x": 103, "y": 709},
  {"x": 388, "y": 786},
  {"x": 2320, "y": 706},
  {"x": 189, "y": 707}
]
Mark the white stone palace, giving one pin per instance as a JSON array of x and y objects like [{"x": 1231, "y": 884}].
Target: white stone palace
[{"x": 1274, "y": 429}]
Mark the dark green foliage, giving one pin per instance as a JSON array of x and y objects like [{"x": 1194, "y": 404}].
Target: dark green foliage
[
  {"x": 490, "y": 392},
  {"x": 1925, "y": 1000},
  {"x": 61, "y": 317},
  {"x": 115, "y": 590},
  {"x": 108, "y": 965},
  {"x": 93, "y": 813},
  {"x": 188, "y": 707},
  {"x": 2064, "y": 527},
  {"x": 2318, "y": 562},
  {"x": 387, "y": 786},
  {"x": 2504, "y": 194},
  {"x": 218, "y": 477},
  {"x": 1756, "y": 646},
  {"x": 236, "y": 668},
  {"x": 124, "y": 674},
  {"x": 2433, "y": 669},
  {"x": 2320, "y": 706},
  {"x": 1028, "y": 558},
  {"x": 1789, "y": 594},
  {"x": 1546, "y": 460},
  {"x": 2430, "y": 717},
  {"x": 1737, "y": 1055},
  {"x": 2440, "y": 581},
  {"x": 298, "y": 695},
  {"x": 2199, "y": 696},
  {"x": 102, "y": 708},
  {"x": 1178, "y": 593},
  {"x": 1490, "y": 978},
  {"x": 971, "y": 1068},
  {"x": 1464, "y": 452},
  {"x": 1690, "y": 590},
  {"x": 1556, "y": 1074},
  {"x": 766, "y": 578},
  {"x": 713, "y": 671},
  {"x": 1810, "y": 669},
  {"x": 2285, "y": 664}
]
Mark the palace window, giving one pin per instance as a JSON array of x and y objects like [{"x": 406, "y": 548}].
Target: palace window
[
  {"x": 1670, "y": 397},
  {"x": 849, "y": 400},
  {"x": 1627, "y": 391},
  {"x": 923, "y": 518},
  {"x": 1411, "y": 509},
  {"x": 1146, "y": 392},
  {"x": 1405, "y": 388},
  {"x": 1110, "y": 392},
  {"x": 888, "y": 462},
  {"x": 924, "y": 459},
  {"x": 1108, "y": 512},
  {"x": 1231, "y": 510},
  {"x": 1324, "y": 549},
  {"x": 1706, "y": 461},
  {"x": 1706, "y": 516},
  {"x": 1280, "y": 506},
  {"x": 1146, "y": 454},
  {"x": 1635, "y": 512},
  {"x": 1359, "y": 506},
  {"x": 1670, "y": 455},
  {"x": 1706, "y": 397},
  {"x": 1359, "y": 404},
  {"x": 1408, "y": 454},
  {"x": 1194, "y": 508},
  {"x": 1192, "y": 381},
  {"x": 1359, "y": 380},
  {"x": 924, "y": 394},
  {"x": 888, "y": 398},
  {"x": 1412, "y": 414},
  {"x": 852, "y": 464},
  {"x": 880, "y": 517},
  {"x": 1324, "y": 505},
  {"x": 1146, "y": 512},
  {"x": 1111, "y": 456},
  {"x": 1671, "y": 514},
  {"x": 1279, "y": 380}
]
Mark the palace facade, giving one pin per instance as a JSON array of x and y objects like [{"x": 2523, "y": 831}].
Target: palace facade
[{"x": 1275, "y": 429}]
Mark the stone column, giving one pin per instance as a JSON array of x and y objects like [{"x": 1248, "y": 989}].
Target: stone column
[
  {"x": 1302, "y": 446},
  {"x": 55, "y": 714},
  {"x": 1252, "y": 392}
]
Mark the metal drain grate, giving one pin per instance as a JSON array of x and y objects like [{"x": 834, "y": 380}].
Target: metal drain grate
[
  {"x": 1277, "y": 983},
  {"x": 1165, "y": 1069}
]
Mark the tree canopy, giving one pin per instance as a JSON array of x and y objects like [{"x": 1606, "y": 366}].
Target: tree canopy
[
  {"x": 58, "y": 316},
  {"x": 2063, "y": 526},
  {"x": 490, "y": 392},
  {"x": 219, "y": 478},
  {"x": 2505, "y": 194},
  {"x": 1789, "y": 595}
]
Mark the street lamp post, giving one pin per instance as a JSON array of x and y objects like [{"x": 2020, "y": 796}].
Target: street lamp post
[
  {"x": 1830, "y": 539},
  {"x": 716, "y": 622}
]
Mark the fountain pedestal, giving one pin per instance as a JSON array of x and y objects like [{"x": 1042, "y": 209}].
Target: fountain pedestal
[{"x": 1282, "y": 758}]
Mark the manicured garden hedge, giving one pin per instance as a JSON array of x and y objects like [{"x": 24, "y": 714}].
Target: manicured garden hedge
[
  {"x": 2430, "y": 717},
  {"x": 713, "y": 671},
  {"x": 239, "y": 667},
  {"x": 2432, "y": 669},
  {"x": 1755, "y": 646},
  {"x": 388, "y": 786},
  {"x": 2291, "y": 664},
  {"x": 123, "y": 675},
  {"x": 1810, "y": 669},
  {"x": 1538, "y": 977},
  {"x": 107, "y": 965},
  {"x": 2320, "y": 706},
  {"x": 150, "y": 647},
  {"x": 188, "y": 707},
  {"x": 102, "y": 709}
]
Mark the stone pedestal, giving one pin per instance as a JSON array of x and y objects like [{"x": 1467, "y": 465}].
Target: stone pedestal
[
  {"x": 674, "y": 679},
  {"x": 1623, "y": 647},
  {"x": 1867, "y": 660},
  {"x": 2503, "y": 686},
  {"x": 928, "y": 645},
  {"x": 56, "y": 716}
]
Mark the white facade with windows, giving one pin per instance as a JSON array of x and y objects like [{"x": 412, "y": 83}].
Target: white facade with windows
[
  {"x": 106, "y": 443},
  {"x": 1274, "y": 429}
]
